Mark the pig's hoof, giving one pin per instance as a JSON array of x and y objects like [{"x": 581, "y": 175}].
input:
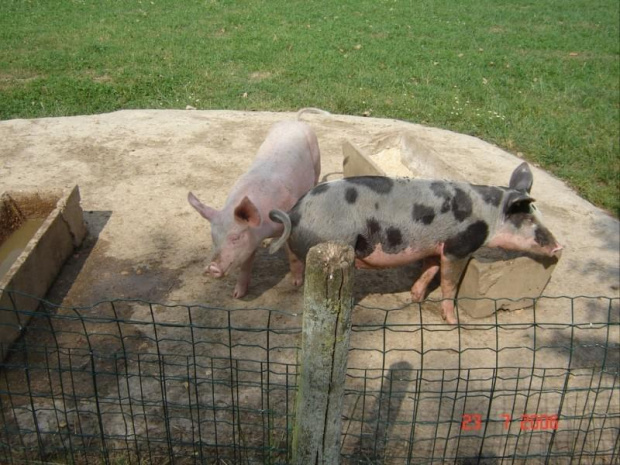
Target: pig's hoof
[
  {"x": 450, "y": 319},
  {"x": 298, "y": 281},
  {"x": 417, "y": 295},
  {"x": 240, "y": 291}
]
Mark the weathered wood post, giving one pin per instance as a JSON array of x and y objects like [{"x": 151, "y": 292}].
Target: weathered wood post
[{"x": 325, "y": 343}]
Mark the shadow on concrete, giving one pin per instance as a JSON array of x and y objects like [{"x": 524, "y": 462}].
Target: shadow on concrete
[
  {"x": 267, "y": 272},
  {"x": 389, "y": 280},
  {"x": 40, "y": 331},
  {"x": 382, "y": 414},
  {"x": 95, "y": 223},
  {"x": 594, "y": 346}
]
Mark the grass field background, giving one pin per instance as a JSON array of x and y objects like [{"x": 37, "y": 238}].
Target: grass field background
[{"x": 538, "y": 78}]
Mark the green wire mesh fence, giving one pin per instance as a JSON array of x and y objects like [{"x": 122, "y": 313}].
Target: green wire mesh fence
[{"x": 127, "y": 381}]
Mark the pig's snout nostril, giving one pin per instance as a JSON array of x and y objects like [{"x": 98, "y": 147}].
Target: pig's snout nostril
[{"x": 556, "y": 249}]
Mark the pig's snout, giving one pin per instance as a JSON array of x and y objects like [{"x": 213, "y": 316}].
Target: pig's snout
[
  {"x": 214, "y": 270},
  {"x": 552, "y": 249},
  {"x": 557, "y": 248},
  {"x": 545, "y": 242},
  {"x": 549, "y": 250}
]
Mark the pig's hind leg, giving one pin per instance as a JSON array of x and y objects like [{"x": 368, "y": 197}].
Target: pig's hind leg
[
  {"x": 430, "y": 267},
  {"x": 451, "y": 271},
  {"x": 297, "y": 267},
  {"x": 243, "y": 281}
]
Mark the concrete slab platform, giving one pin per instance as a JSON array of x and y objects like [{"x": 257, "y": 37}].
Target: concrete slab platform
[{"x": 136, "y": 167}]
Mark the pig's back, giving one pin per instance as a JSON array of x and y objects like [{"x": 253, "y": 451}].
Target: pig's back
[
  {"x": 288, "y": 142},
  {"x": 289, "y": 157},
  {"x": 284, "y": 168}
]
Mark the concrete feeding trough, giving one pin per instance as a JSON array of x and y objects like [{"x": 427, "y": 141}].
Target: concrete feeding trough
[
  {"x": 38, "y": 231},
  {"x": 497, "y": 279},
  {"x": 494, "y": 279}
]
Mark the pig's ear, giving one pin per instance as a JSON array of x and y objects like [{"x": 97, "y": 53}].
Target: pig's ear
[
  {"x": 517, "y": 202},
  {"x": 521, "y": 178},
  {"x": 207, "y": 212},
  {"x": 246, "y": 212}
]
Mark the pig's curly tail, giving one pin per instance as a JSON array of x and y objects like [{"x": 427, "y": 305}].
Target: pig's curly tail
[
  {"x": 316, "y": 111},
  {"x": 281, "y": 217}
]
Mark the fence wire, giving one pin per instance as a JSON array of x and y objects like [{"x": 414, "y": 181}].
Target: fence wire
[{"x": 128, "y": 381}]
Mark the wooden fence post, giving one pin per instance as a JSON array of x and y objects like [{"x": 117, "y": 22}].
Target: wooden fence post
[{"x": 325, "y": 343}]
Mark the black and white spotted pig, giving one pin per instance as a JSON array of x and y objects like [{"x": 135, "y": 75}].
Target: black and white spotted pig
[{"x": 391, "y": 222}]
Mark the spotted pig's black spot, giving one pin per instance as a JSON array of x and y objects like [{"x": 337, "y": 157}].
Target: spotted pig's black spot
[
  {"x": 362, "y": 246},
  {"x": 394, "y": 237},
  {"x": 376, "y": 206},
  {"x": 373, "y": 232},
  {"x": 378, "y": 184},
  {"x": 461, "y": 205},
  {"x": 468, "y": 241},
  {"x": 350, "y": 194},
  {"x": 422, "y": 214},
  {"x": 319, "y": 189},
  {"x": 445, "y": 206},
  {"x": 440, "y": 189},
  {"x": 374, "y": 227},
  {"x": 490, "y": 194}
]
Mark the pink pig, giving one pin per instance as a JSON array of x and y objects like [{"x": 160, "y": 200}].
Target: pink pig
[{"x": 286, "y": 166}]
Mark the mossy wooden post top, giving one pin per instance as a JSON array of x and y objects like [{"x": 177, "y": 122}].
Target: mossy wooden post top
[
  {"x": 330, "y": 255},
  {"x": 329, "y": 269},
  {"x": 327, "y": 259}
]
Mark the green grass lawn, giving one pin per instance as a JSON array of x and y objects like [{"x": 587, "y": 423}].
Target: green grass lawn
[{"x": 539, "y": 78}]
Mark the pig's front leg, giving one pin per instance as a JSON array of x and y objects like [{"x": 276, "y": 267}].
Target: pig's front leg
[
  {"x": 451, "y": 271},
  {"x": 243, "y": 281},
  {"x": 430, "y": 267},
  {"x": 297, "y": 267}
]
